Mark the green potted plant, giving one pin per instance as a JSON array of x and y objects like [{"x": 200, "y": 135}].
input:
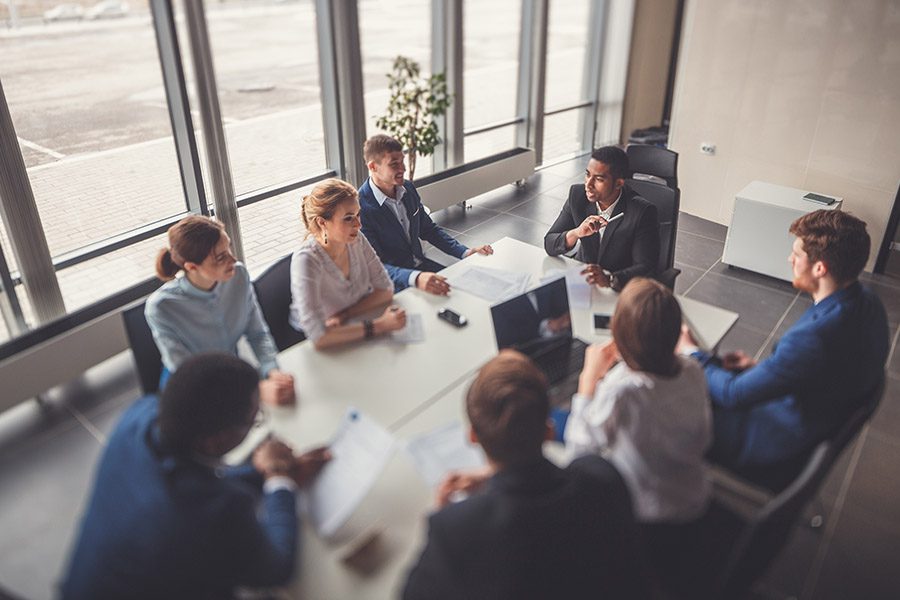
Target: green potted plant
[{"x": 414, "y": 105}]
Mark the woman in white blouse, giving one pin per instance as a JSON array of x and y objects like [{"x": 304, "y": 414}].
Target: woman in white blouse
[
  {"x": 649, "y": 413},
  {"x": 336, "y": 275}
]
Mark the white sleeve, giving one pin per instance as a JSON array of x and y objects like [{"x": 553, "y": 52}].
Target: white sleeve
[{"x": 306, "y": 311}]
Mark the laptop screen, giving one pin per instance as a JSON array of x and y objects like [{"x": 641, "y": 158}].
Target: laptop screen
[{"x": 532, "y": 321}]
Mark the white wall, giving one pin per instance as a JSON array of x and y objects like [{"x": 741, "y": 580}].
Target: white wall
[{"x": 804, "y": 93}]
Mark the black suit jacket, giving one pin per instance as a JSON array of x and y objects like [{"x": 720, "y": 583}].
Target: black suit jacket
[
  {"x": 630, "y": 246},
  {"x": 535, "y": 532}
]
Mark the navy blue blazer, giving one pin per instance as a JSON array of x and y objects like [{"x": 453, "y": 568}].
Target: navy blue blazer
[
  {"x": 161, "y": 526},
  {"x": 535, "y": 531},
  {"x": 815, "y": 379},
  {"x": 384, "y": 232}
]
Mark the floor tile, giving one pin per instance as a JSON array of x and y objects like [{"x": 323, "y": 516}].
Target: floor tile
[
  {"x": 758, "y": 307},
  {"x": 506, "y": 197},
  {"x": 787, "y": 575},
  {"x": 695, "y": 251},
  {"x": 890, "y": 298},
  {"x": 886, "y": 420},
  {"x": 701, "y": 227},
  {"x": 743, "y": 338},
  {"x": 525, "y": 230},
  {"x": 689, "y": 275},
  {"x": 801, "y": 304},
  {"x": 569, "y": 168},
  {"x": 861, "y": 560},
  {"x": 893, "y": 364},
  {"x": 871, "y": 490},
  {"x": 44, "y": 490},
  {"x": 543, "y": 208},
  {"x": 765, "y": 281},
  {"x": 459, "y": 219}
]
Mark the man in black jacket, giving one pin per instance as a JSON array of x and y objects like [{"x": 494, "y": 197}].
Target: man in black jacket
[
  {"x": 529, "y": 529},
  {"x": 607, "y": 225}
]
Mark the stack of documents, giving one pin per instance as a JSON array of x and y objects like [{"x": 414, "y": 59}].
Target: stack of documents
[{"x": 494, "y": 285}]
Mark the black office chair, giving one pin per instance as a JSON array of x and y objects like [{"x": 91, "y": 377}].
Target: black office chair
[
  {"x": 273, "y": 291},
  {"x": 740, "y": 549},
  {"x": 655, "y": 161},
  {"x": 146, "y": 355},
  {"x": 667, "y": 202}
]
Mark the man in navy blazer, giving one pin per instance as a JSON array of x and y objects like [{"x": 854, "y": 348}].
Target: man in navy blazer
[
  {"x": 606, "y": 225},
  {"x": 394, "y": 221},
  {"x": 165, "y": 519},
  {"x": 823, "y": 367},
  {"x": 528, "y": 529}
]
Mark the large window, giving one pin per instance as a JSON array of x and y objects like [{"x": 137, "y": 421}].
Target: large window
[{"x": 491, "y": 75}]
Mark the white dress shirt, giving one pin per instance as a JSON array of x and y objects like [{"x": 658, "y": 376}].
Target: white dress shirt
[{"x": 655, "y": 430}]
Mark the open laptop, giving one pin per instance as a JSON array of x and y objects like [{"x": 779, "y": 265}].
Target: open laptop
[{"x": 538, "y": 324}]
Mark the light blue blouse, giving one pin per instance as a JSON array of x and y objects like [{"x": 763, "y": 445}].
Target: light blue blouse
[{"x": 186, "y": 320}]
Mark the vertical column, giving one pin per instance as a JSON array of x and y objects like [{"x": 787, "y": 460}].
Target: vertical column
[
  {"x": 179, "y": 108},
  {"x": 532, "y": 76},
  {"x": 23, "y": 224},
  {"x": 343, "y": 106},
  {"x": 447, "y": 57},
  {"x": 593, "y": 71},
  {"x": 211, "y": 118}
]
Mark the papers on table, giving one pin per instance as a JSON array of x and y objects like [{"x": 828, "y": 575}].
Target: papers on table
[
  {"x": 494, "y": 285},
  {"x": 360, "y": 450},
  {"x": 443, "y": 450},
  {"x": 413, "y": 333}
]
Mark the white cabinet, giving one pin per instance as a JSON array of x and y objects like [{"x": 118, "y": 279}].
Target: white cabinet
[{"x": 758, "y": 238}]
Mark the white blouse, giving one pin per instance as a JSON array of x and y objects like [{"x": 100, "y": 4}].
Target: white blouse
[
  {"x": 319, "y": 289},
  {"x": 655, "y": 430}
]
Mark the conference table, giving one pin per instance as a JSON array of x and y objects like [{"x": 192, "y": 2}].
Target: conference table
[{"x": 411, "y": 389}]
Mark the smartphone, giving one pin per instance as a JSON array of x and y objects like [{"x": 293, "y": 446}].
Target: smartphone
[
  {"x": 601, "y": 322},
  {"x": 819, "y": 198},
  {"x": 454, "y": 318}
]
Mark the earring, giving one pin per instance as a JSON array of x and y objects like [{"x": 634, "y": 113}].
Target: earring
[{"x": 325, "y": 235}]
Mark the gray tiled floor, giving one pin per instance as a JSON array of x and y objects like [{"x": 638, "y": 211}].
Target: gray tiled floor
[{"x": 47, "y": 456}]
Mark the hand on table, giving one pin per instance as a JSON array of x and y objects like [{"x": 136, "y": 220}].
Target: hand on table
[
  {"x": 598, "y": 360},
  {"x": 464, "y": 482},
  {"x": 392, "y": 319},
  {"x": 277, "y": 389},
  {"x": 485, "y": 250},
  {"x": 432, "y": 283},
  {"x": 273, "y": 458},
  {"x": 686, "y": 340},
  {"x": 307, "y": 465},
  {"x": 594, "y": 275}
]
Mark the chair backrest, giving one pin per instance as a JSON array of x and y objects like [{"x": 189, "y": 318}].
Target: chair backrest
[
  {"x": 143, "y": 347},
  {"x": 768, "y": 530},
  {"x": 655, "y": 161},
  {"x": 667, "y": 202},
  {"x": 273, "y": 292}
]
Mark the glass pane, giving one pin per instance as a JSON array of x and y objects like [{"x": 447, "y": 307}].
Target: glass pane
[
  {"x": 388, "y": 28},
  {"x": 567, "y": 47},
  {"x": 103, "y": 276},
  {"x": 491, "y": 61},
  {"x": 490, "y": 142},
  {"x": 89, "y": 107},
  {"x": 267, "y": 71},
  {"x": 562, "y": 134},
  {"x": 272, "y": 228}
]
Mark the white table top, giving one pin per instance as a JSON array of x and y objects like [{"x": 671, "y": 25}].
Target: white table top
[
  {"x": 785, "y": 197},
  {"x": 411, "y": 389}
]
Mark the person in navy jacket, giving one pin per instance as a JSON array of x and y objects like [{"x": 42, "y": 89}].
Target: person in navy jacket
[
  {"x": 394, "y": 221},
  {"x": 166, "y": 519},
  {"x": 823, "y": 367}
]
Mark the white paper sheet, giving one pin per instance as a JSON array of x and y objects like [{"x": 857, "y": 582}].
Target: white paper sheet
[
  {"x": 578, "y": 289},
  {"x": 360, "y": 450},
  {"x": 494, "y": 285},
  {"x": 413, "y": 333},
  {"x": 442, "y": 450}
]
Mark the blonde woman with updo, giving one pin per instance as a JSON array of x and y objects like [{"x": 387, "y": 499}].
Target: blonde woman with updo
[
  {"x": 211, "y": 306},
  {"x": 336, "y": 275}
]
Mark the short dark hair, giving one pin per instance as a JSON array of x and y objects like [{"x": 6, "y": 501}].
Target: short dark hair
[
  {"x": 507, "y": 406},
  {"x": 646, "y": 326},
  {"x": 208, "y": 394},
  {"x": 836, "y": 238},
  {"x": 379, "y": 145},
  {"x": 614, "y": 158}
]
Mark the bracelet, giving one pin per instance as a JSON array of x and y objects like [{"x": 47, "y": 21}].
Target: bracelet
[{"x": 369, "y": 328}]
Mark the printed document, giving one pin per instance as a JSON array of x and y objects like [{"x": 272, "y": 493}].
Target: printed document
[
  {"x": 360, "y": 451},
  {"x": 494, "y": 285},
  {"x": 442, "y": 450},
  {"x": 413, "y": 333}
]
